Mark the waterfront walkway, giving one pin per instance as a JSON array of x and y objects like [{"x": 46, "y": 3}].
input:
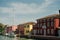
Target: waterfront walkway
[
  {"x": 36, "y": 37},
  {"x": 43, "y": 37}
]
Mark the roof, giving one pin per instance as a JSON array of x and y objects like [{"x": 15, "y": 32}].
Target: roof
[
  {"x": 30, "y": 23},
  {"x": 50, "y": 16},
  {"x": 26, "y": 23}
]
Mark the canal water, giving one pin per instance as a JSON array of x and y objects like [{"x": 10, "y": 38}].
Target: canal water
[{"x": 16, "y": 38}]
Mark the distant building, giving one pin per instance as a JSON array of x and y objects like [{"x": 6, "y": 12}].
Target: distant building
[
  {"x": 20, "y": 29},
  {"x": 28, "y": 28},
  {"x": 10, "y": 29},
  {"x": 47, "y": 25},
  {"x": 14, "y": 28}
]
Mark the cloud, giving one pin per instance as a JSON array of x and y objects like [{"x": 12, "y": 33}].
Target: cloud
[{"x": 24, "y": 8}]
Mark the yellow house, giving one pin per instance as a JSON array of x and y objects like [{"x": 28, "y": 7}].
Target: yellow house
[{"x": 28, "y": 27}]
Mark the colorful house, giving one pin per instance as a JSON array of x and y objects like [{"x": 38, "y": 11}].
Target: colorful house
[
  {"x": 20, "y": 29},
  {"x": 10, "y": 29},
  {"x": 28, "y": 28},
  {"x": 47, "y": 25},
  {"x": 14, "y": 27}
]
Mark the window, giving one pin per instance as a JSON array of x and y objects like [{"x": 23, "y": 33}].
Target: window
[
  {"x": 41, "y": 25},
  {"x": 28, "y": 26},
  {"x": 48, "y": 20},
  {"x": 44, "y": 25},
  {"x": 52, "y": 23},
  {"x": 44, "y": 31},
  {"x": 48, "y": 24},
  {"x": 40, "y": 20},
  {"x": 48, "y": 31},
  {"x": 34, "y": 32},
  {"x": 41, "y": 31},
  {"x": 38, "y": 31},
  {"x": 44, "y": 20},
  {"x": 52, "y": 31},
  {"x": 27, "y": 31},
  {"x": 38, "y": 25}
]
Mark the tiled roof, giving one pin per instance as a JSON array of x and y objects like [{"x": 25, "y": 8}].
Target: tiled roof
[
  {"x": 30, "y": 23},
  {"x": 26, "y": 23},
  {"x": 50, "y": 16}
]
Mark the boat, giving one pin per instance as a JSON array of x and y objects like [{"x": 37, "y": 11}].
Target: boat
[{"x": 10, "y": 34}]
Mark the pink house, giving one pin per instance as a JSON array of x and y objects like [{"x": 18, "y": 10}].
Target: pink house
[
  {"x": 14, "y": 28},
  {"x": 11, "y": 28}
]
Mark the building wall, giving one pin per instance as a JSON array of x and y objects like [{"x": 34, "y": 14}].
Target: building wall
[
  {"x": 46, "y": 26},
  {"x": 56, "y": 23},
  {"x": 14, "y": 28},
  {"x": 21, "y": 29},
  {"x": 27, "y": 29},
  {"x": 8, "y": 29}
]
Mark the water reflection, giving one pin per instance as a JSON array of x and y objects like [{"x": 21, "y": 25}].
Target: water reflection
[{"x": 15, "y": 38}]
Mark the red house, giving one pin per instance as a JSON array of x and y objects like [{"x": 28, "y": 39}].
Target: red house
[
  {"x": 47, "y": 25},
  {"x": 20, "y": 29}
]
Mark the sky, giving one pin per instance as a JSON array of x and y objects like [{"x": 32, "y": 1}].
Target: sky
[{"x": 14, "y": 12}]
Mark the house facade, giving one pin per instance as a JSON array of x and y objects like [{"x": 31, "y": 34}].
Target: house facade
[
  {"x": 20, "y": 29},
  {"x": 10, "y": 29},
  {"x": 47, "y": 25},
  {"x": 28, "y": 28}
]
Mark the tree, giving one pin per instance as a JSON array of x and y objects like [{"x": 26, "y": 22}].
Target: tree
[{"x": 1, "y": 28}]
